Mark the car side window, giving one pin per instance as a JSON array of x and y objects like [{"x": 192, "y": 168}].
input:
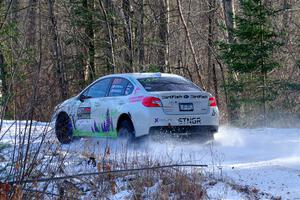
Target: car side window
[
  {"x": 119, "y": 87},
  {"x": 99, "y": 89},
  {"x": 129, "y": 89}
]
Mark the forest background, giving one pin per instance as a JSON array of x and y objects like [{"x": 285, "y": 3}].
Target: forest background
[{"x": 246, "y": 53}]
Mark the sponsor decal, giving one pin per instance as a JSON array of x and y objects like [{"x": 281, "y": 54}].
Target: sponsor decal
[
  {"x": 136, "y": 91},
  {"x": 112, "y": 134},
  {"x": 84, "y": 113},
  {"x": 106, "y": 125},
  {"x": 185, "y": 97},
  {"x": 117, "y": 87},
  {"x": 189, "y": 120},
  {"x": 199, "y": 96},
  {"x": 172, "y": 97},
  {"x": 104, "y": 129},
  {"x": 213, "y": 113},
  {"x": 159, "y": 120},
  {"x": 117, "y": 81},
  {"x": 87, "y": 109},
  {"x": 136, "y": 99}
]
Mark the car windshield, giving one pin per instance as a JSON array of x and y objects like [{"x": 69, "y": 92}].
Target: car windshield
[{"x": 156, "y": 84}]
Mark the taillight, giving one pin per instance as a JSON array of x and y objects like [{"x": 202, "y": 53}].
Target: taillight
[
  {"x": 212, "y": 101},
  {"x": 151, "y": 102}
]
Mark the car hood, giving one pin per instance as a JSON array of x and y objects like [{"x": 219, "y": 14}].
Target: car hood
[
  {"x": 62, "y": 106},
  {"x": 65, "y": 103}
]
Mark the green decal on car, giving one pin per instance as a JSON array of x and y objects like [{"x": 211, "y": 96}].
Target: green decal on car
[
  {"x": 104, "y": 129},
  {"x": 111, "y": 134}
]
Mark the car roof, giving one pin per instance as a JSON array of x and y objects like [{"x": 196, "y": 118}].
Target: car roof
[{"x": 141, "y": 75}]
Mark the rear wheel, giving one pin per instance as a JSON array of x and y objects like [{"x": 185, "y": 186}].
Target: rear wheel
[
  {"x": 126, "y": 131},
  {"x": 64, "y": 129}
]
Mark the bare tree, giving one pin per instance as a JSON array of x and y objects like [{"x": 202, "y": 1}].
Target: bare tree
[
  {"x": 57, "y": 52},
  {"x": 163, "y": 28},
  {"x": 228, "y": 6},
  {"x": 211, "y": 67},
  {"x": 197, "y": 66},
  {"x": 89, "y": 31},
  {"x": 3, "y": 76},
  {"x": 31, "y": 25},
  {"x": 140, "y": 35},
  {"x": 128, "y": 53}
]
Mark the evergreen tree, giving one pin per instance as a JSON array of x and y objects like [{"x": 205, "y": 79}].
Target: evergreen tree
[{"x": 251, "y": 55}]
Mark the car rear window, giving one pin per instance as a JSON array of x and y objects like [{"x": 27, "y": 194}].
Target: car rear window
[{"x": 156, "y": 84}]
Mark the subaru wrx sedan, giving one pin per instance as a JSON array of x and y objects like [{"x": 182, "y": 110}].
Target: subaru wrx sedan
[{"x": 137, "y": 104}]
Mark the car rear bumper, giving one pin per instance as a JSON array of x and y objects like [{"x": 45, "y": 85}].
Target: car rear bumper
[
  {"x": 184, "y": 130},
  {"x": 200, "y": 120},
  {"x": 156, "y": 119}
]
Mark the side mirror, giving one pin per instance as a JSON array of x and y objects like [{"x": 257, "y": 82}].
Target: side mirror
[{"x": 82, "y": 97}]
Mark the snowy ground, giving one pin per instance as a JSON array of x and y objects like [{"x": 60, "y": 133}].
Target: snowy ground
[
  {"x": 268, "y": 159},
  {"x": 265, "y": 161}
]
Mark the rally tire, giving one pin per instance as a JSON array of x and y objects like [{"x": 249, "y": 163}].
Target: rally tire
[
  {"x": 126, "y": 131},
  {"x": 64, "y": 129}
]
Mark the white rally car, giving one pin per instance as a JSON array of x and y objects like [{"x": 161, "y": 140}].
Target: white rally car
[{"x": 137, "y": 104}]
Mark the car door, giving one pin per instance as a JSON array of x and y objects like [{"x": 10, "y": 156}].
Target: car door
[
  {"x": 89, "y": 107},
  {"x": 111, "y": 107}
]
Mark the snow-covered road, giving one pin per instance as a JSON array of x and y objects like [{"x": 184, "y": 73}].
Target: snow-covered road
[{"x": 267, "y": 159}]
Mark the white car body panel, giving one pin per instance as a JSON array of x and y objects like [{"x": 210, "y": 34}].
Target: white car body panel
[{"x": 99, "y": 116}]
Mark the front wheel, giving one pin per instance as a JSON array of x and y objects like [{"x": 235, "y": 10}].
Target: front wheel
[{"x": 64, "y": 129}]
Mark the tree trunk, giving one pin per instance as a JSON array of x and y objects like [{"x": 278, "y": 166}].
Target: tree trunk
[
  {"x": 128, "y": 57},
  {"x": 211, "y": 65},
  {"x": 3, "y": 75},
  {"x": 89, "y": 31},
  {"x": 210, "y": 16},
  {"x": 229, "y": 13},
  {"x": 285, "y": 19},
  {"x": 31, "y": 26},
  {"x": 140, "y": 35},
  {"x": 57, "y": 53},
  {"x": 228, "y": 7},
  {"x": 110, "y": 57},
  {"x": 163, "y": 35},
  {"x": 196, "y": 64},
  {"x": 215, "y": 79}
]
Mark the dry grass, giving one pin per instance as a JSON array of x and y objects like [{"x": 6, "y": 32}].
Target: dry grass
[{"x": 168, "y": 183}]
